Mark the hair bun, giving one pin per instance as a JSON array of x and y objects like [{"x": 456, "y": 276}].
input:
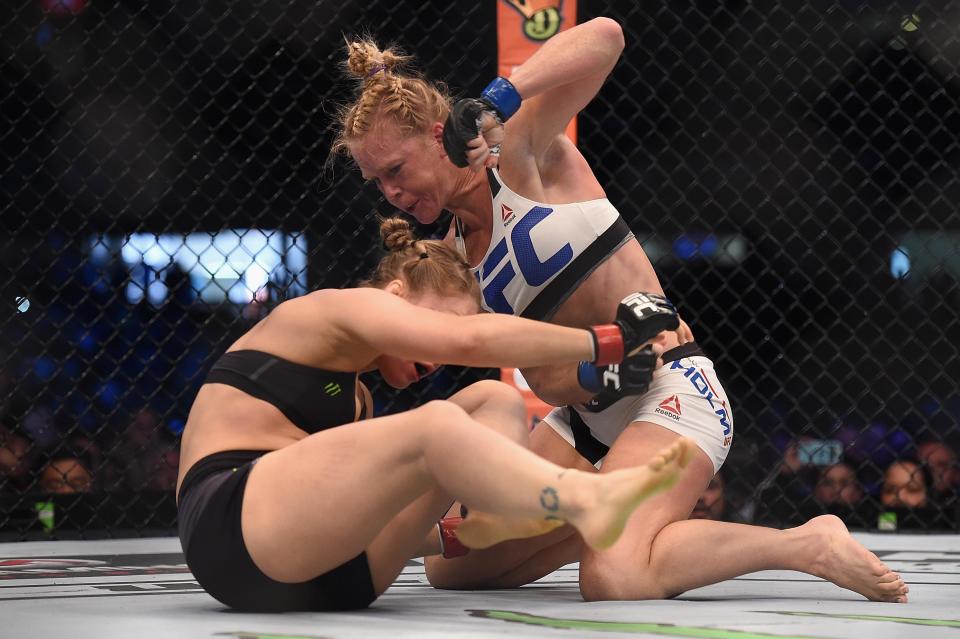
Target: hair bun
[
  {"x": 365, "y": 59},
  {"x": 396, "y": 234}
]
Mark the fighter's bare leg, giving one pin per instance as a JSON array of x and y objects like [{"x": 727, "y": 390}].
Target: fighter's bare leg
[
  {"x": 413, "y": 532},
  {"x": 669, "y": 554},
  {"x": 293, "y": 536},
  {"x": 484, "y": 529},
  {"x": 516, "y": 562}
]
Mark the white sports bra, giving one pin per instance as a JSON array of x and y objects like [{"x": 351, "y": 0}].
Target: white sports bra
[{"x": 539, "y": 253}]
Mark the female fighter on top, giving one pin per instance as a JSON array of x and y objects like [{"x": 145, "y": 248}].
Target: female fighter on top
[{"x": 545, "y": 243}]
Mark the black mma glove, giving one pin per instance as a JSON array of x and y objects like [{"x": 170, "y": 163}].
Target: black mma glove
[
  {"x": 500, "y": 99},
  {"x": 622, "y": 365},
  {"x": 630, "y": 377},
  {"x": 643, "y": 316}
]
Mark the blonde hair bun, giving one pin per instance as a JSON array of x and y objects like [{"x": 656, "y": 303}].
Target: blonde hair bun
[
  {"x": 396, "y": 234},
  {"x": 365, "y": 59}
]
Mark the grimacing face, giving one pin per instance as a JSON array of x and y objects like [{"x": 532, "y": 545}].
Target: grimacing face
[
  {"x": 400, "y": 373},
  {"x": 408, "y": 170}
]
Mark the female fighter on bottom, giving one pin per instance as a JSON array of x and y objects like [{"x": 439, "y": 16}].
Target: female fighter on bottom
[{"x": 286, "y": 504}]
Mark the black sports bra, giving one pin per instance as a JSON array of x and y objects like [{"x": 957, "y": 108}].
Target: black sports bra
[{"x": 313, "y": 399}]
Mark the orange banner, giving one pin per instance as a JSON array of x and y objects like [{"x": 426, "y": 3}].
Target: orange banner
[{"x": 523, "y": 25}]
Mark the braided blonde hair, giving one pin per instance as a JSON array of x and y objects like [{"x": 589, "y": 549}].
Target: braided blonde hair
[
  {"x": 426, "y": 266},
  {"x": 405, "y": 98}
]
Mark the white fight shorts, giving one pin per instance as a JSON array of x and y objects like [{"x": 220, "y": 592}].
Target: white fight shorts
[{"x": 685, "y": 396}]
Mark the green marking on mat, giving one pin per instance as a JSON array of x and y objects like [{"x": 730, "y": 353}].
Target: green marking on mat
[
  {"x": 260, "y": 635},
  {"x": 666, "y": 629},
  {"x": 942, "y": 623}
]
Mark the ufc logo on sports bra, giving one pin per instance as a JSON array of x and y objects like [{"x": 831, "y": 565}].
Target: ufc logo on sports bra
[{"x": 534, "y": 272}]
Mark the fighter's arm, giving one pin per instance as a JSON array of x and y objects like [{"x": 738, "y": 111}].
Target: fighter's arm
[
  {"x": 651, "y": 315},
  {"x": 561, "y": 78},
  {"x": 540, "y": 98},
  {"x": 556, "y": 385},
  {"x": 387, "y": 324}
]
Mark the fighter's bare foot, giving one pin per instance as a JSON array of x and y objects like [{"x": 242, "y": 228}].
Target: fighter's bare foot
[
  {"x": 847, "y": 563},
  {"x": 482, "y": 530},
  {"x": 620, "y": 492}
]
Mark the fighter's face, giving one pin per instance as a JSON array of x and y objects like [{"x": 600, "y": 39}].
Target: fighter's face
[
  {"x": 400, "y": 373},
  {"x": 408, "y": 170}
]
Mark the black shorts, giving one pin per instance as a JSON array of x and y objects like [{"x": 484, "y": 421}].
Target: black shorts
[{"x": 210, "y": 501}]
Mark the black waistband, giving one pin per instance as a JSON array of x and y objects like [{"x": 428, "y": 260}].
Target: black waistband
[
  {"x": 214, "y": 463},
  {"x": 690, "y": 349},
  {"x": 556, "y": 292}
]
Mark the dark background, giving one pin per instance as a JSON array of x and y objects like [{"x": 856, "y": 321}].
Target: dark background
[{"x": 771, "y": 155}]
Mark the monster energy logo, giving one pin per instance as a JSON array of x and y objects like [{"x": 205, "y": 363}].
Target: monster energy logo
[{"x": 332, "y": 389}]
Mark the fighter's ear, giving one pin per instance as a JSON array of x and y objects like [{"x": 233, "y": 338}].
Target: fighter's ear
[
  {"x": 396, "y": 287},
  {"x": 437, "y": 132}
]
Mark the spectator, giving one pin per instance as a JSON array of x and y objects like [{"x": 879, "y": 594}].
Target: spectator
[
  {"x": 712, "y": 503},
  {"x": 904, "y": 485},
  {"x": 838, "y": 484},
  {"x": 840, "y": 492},
  {"x": 141, "y": 451},
  {"x": 942, "y": 462},
  {"x": 16, "y": 459},
  {"x": 161, "y": 466},
  {"x": 785, "y": 496},
  {"x": 65, "y": 475},
  {"x": 41, "y": 426},
  {"x": 907, "y": 501}
]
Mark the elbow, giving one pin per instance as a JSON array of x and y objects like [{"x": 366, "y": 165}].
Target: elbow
[{"x": 610, "y": 34}]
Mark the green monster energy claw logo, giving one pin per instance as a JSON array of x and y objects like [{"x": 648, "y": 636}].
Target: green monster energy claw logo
[{"x": 332, "y": 389}]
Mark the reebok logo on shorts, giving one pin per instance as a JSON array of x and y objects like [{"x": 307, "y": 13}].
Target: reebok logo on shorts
[{"x": 670, "y": 407}]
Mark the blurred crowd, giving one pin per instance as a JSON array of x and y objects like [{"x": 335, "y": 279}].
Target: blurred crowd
[
  {"x": 94, "y": 392},
  {"x": 917, "y": 491},
  {"x": 141, "y": 457}
]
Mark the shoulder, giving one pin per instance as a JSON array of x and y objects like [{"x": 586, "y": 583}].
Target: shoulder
[
  {"x": 329, "y": 295},
  {"x": 331, "y": 302}
]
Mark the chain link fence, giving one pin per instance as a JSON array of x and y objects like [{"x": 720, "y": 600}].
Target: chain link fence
[{"x": 790, "y": 167}]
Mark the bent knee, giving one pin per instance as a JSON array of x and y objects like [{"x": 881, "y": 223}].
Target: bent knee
[
  {"x": 440, "y": 412},
  {"x": 607, "y": 581},
  {"x": 501, "y": 393},
  {"x": 507, "y": 405},
  {"x": 449, "y": 575}
]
